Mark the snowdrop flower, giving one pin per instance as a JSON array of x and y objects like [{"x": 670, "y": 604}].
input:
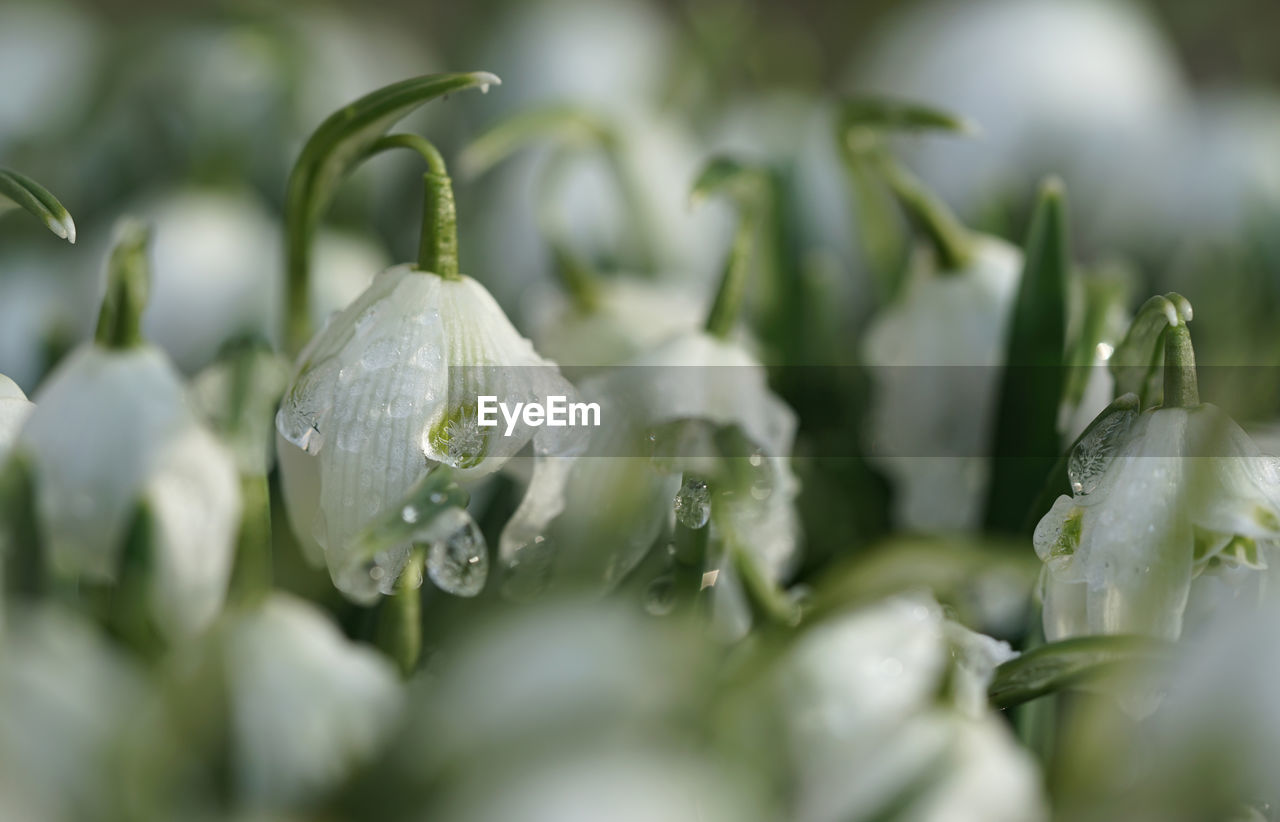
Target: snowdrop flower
[
  {"x": 1164, "y": 501},
  {"x": 1071, "y": 86},
  {"x": 14, "y": 410},
  {"x": 868, "y": 724},
  {"x": 934, "y": 357},
  {"x": 113, "y": 435},
  {"x": 47, "y": 302},
  {"x": 307, "y": 705},
  {"x": 390, "y": 389},
  {"x": 68, "y": 702},
  {"x": 621, "y": 317},
  {"x": 217, "y": 272}
]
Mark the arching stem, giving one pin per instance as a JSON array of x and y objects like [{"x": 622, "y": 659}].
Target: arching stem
[
  {"x": 948, "y": 236},
  {"x": 1181, "y": 389},
  {"x": 438, "y": 245},
  {"x": 733, "y": 283}
]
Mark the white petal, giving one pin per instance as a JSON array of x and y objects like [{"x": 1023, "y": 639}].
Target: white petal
[
  {"x": 194, "y": 493},
  {"x": 14, "y": 410},
  {"x": 308, "y": 705}
]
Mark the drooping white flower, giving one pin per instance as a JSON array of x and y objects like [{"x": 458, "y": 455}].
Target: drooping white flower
[
  {"x": 217, "y": 272},
  {"x": 14, "y": 410},
  {"x": 307, "y": 705},
  {"x": 387, "y": 391},
  {"x": 68, "y": 701},
  {"x": 621, "y": 495},
  {"x": 113, "y": 431},
  {"x": 1166, "y": 503},
  {"x": 1082, "y": 88},
  {"x": 869, "y": 726},
  {"x": 628, "y": 315},
  {"x": 934, "y": 357}
]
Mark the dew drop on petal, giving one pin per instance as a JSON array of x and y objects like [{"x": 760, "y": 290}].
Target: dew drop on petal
[
  {"x": 693, "y": 504},
  {"x": 457, "y": 555},
  {"x": 1097, "y": 447}
]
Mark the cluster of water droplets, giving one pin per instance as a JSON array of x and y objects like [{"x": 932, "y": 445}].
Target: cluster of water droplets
[{"x": 1097, "y": 448}]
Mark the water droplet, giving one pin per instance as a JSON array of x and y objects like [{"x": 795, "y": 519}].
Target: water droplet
[
  {"x": 756, "y": 459},
  {"x": 693, "y": 504},
  {"x": 1091, "y": 456},
  {"x": 377, "y": 572},
  {"x": 484, "y": 88},
  {"x": 457, "y": 556},
  {"x": 409, "y": 514},
  {"x": 438, "y": 497},
  {"x": 660, "y": 595}
]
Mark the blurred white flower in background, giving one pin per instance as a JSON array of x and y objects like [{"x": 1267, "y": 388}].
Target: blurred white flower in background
[
  {"x": 49, "y": 54},
  {"x": 47, "y": 304},
  {"x": 1168, "y": 504},
  {"x": 385, "y": 392},
  {"x": 626, "y": 316},
  {"x": 1081, "y": 88},
  {"x": 884, "y": 712},
  {"x": 112, "y": 431},
  {"x": 598, "y": 54},
  {"x": 307, "y": 705},
  {"x": 68, "y": 702},
  {"x": 571, "y": 707},
  {"x": 934, "y": 356}
]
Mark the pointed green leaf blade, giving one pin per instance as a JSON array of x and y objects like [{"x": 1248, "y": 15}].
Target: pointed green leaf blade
[
  {"x": 1026, "y": 444},
  {"x": 1061, "y": 665},
  {"x": 35, "y": 198}
]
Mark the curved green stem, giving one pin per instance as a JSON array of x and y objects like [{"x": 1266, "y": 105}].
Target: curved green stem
[
  {"x": 340, "y": 143},
  {"x": 1180, "y": 386},
  {"x": 438, "y": 244},
  {"x": 948, "y": 236},
  {"x": 128, "y": 281},
  {"x": 750, "y": 188}
]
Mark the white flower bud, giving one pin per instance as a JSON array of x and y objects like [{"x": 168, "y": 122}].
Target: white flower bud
[
  {"x": 113, "y": 430},
  {"x": 934, "y": 357},
  {"x": 307, "y": 705},
  {"x": 870, "y": 726},
  {"x": 1163, "y": 502},
  {"x": 388, "y": 390}
]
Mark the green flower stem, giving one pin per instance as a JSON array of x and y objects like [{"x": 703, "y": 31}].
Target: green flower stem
[
  {"x": 251, "y": 574},
  {"x": 128, "y": 281},
  {"x": 949, "y": 237},
  {"x": 339, "y": 144},
  {"x": 767, "y": 599},
  {"x": 402, "y": 613},
  {"x": 23, "y": 569},
  {"x": 1180, "y": 387},
  {"x": 1061, "y": 665},
  {"x": 577, "y": 277},
  {"x": 438, "y": 245},
  {"x": 724, "y": 312}
]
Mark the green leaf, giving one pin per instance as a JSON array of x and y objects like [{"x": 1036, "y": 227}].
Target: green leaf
[
  {"x": 900, "y": 115},
  {"x": 562, "y": 124},
  {"x": 1103, "y": 296},
  {"x": 1135, "y": 365},
  {"x": 27, "y": 193},
  {"x": 435, "y": 493},
  {"x": 1061, "y": 665},
  {"x": 337, "y": 146},
  {"x": 744, "y": 183},
  {"x": 748, "y": 187},
  {"x": 1026, "y": 443}
]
